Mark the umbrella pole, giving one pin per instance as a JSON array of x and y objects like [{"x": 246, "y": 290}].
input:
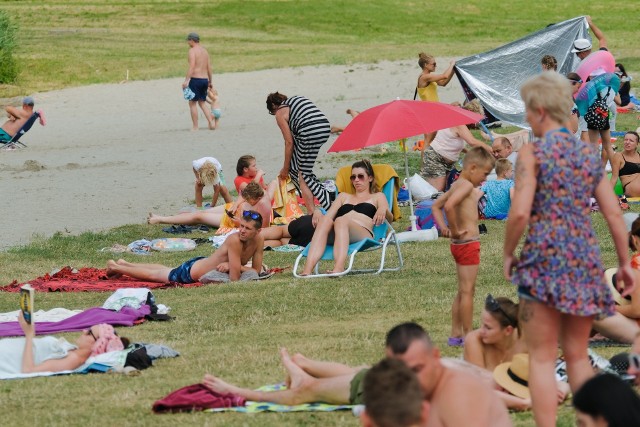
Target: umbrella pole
[{"x": 414, "y": 235}]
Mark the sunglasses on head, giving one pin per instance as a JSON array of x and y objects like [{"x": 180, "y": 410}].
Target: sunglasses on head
[
  {"x": 634, "y": 361},
  {"x": 576, "y": 82},
  {"x": 492, "y": 305},
  {"x": 251, "y": 214},
  {"x": 360, "y": 176}
]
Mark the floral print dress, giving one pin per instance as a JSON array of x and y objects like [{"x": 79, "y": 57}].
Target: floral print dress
[{"x": 560, "y": 263}]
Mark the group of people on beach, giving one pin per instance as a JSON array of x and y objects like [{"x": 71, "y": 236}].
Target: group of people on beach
[{"x": 510, "y": 361}]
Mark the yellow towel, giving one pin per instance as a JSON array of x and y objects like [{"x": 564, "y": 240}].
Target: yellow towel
[{"x": 285, "y": 202}]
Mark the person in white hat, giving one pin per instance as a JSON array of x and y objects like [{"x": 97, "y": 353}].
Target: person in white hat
[{"x": 582, "y": 47}]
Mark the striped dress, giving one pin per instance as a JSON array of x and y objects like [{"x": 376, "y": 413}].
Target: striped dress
[{"x": 310, "y": 129}]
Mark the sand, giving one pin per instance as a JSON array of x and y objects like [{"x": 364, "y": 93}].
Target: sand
[{"x": 110, "y": 154}]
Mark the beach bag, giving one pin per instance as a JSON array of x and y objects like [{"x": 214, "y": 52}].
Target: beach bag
[
  {"x": 597, "y": 115},
  {"x": 420, "y": 189}
]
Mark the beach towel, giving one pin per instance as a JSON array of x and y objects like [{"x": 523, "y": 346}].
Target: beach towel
[
  {"x": 285, "y": 202},
  {"x": 255, "y": 407},
  {"x": 88, "y": 279},
  {"x": 127, "y": 316}
]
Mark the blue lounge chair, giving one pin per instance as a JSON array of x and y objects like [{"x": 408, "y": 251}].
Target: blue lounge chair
[
  {"x": 13, "y": 142},
  {"x": 383, "y": 236}
]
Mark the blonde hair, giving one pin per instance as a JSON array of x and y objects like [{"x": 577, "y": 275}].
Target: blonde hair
[
  {"x": 478, "y": 156},
  {"x": 550, "y": 92},
  {"x": 474, "y": 106},
  {"x": 208, "y": 173},
  {"x": 502, "y": 166},
  {"x": 424, "y": 59}
]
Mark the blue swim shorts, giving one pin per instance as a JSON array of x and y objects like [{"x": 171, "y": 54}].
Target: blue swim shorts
[
  {"x": 216, "y": 112},
  {"x": 4, "y": 136},
  {"x": 199, "y": 87},
  {"x": 182, "y": 274}
]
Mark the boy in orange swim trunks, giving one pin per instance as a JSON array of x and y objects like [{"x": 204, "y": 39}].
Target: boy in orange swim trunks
[{"x": 460, "y": 204}]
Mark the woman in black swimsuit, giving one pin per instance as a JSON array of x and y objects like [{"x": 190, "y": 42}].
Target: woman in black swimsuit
[
  {"x": 626, "y": 166},
  {"x": 350, "y": 219}
]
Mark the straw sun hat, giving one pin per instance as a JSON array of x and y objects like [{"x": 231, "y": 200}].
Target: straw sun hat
[
  {"x": 514, "y": 376},
  {"x": 609, "y": 276}
]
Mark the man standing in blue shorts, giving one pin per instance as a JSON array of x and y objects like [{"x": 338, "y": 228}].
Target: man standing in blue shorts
[
  {"x": 231, "y": 258},
  {"x": 199, "y": 80}
]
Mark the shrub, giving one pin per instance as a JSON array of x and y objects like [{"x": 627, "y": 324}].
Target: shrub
[{"x": 8, "y": 66}]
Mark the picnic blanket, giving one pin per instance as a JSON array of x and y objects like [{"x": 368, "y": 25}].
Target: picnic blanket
[
  {"x": 88, "y": 279},
  {"x": 127, "y": 316},
  {"x": 255, "y": 407},
  {"x": 197, "y": 397}
]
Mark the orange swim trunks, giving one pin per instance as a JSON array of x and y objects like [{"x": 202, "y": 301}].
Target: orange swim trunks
[{"x": 467, "y": 253}]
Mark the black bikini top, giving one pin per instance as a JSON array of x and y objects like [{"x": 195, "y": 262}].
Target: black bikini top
[
  {"x": 629, "y": 168},
  {"x": 365, "y": 208}
]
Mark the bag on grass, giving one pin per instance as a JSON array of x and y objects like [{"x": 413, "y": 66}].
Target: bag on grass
[
  {"x": 597, "y": 116},
  {"x": 420, "y": 189}
]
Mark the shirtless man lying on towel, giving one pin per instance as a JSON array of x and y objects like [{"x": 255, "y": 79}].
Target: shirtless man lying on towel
[{"x": 236, "y": 251}]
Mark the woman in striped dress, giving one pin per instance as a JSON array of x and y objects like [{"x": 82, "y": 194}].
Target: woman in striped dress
[{"x": 305, "y": 129}]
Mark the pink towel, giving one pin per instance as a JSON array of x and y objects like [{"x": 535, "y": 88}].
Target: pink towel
[{"x": 196, "y": 397}]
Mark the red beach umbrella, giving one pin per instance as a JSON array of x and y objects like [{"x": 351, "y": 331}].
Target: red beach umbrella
[{"x": 400, "y": 119}]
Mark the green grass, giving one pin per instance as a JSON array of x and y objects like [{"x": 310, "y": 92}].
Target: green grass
[
  {"x": 77, "y": 42},
  {"x": 235, "y": 330}
]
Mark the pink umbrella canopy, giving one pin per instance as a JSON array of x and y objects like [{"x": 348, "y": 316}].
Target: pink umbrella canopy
[{"x": 400, "y": 119}]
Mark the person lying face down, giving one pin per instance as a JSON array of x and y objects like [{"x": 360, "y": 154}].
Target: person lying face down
[
  {"x": 56, "y": 355},
  {"x": 236, "y": 251}
]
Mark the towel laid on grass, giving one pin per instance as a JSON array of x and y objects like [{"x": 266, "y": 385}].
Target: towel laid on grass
[
  {"x": 127, "y": 316},
  {"x": 88, "y": 279}
]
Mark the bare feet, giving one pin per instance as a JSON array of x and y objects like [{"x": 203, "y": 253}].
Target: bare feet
[
  {"x": 194, "y": 129},
  {"x": 296, "y": 376},
  {"x": 152, "y": 219},
  {"x": 111, "y": 270},
  {"x": 217, "y": 385},
  {"x": 336, "y": 129}
]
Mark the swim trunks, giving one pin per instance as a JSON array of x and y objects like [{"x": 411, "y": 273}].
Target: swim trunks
[
  {"x": 467, "y": 253},
  {"x": 216, "y": 112},
  {"x": 4, "y": 136},
  {"x": 199, "y": 87},
  {"x": 356, "y": 391},
  {"x": 182, "y": 274}
]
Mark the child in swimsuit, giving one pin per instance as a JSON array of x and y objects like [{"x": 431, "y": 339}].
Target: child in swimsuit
[
  {"x": 461, "y": 206},
  {"x": 214, "y": 100}
]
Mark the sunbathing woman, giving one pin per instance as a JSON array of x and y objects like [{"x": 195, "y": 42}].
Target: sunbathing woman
[
  {"x": 51, "y": 354},
  {"x": 623, "y": 326},
  {"x": 497, "y": 341},
  {"x": 626, "y": 166},
  {"x": 253, "y": 198},
  {"x": 350, "y": 219}
]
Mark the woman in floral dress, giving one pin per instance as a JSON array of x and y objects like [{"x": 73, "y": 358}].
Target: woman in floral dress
[{"x": 559, "y": 273}]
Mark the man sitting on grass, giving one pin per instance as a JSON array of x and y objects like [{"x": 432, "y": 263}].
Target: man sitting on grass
[
  {"x": 445, "y": 389},
  {"x": 236, "y": 251}
]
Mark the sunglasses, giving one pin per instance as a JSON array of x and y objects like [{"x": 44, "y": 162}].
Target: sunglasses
[
  {"x": 360, "y": 176},
  {"x": 493, "y": 306},
  {"x": 634, "y": 361},
  {"x": 253, "y": 215},
  {"x": 90, "y": 332}
]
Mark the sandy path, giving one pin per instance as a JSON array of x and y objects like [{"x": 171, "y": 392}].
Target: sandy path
[{"x": 111, "y": 153}]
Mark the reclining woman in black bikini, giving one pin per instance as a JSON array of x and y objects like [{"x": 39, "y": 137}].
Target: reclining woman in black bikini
[
  {"x": 626, "y": 165},
  {"x": 350, "y": 219}
]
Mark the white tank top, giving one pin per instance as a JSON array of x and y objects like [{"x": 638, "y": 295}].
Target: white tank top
[{"x": 448, "y": 144}]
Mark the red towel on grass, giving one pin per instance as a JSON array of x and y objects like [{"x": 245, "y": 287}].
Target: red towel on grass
[
  {"x": 88, "y": 279},
  {"x": 196, "y": 397}
]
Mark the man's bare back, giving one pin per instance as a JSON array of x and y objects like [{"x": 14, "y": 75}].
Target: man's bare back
[
  {"x": 458, "y": 389},
  {"x": 200, "y": 57}
]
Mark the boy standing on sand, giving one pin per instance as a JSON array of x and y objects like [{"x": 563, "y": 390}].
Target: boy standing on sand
[{"x": 460, "y": 204}]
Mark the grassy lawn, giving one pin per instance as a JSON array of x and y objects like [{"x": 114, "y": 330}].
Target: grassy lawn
[
  {"x": 235, "y": 330},
  {"x": 78, "y": 42}
]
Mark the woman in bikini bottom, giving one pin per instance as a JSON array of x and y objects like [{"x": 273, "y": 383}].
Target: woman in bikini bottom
[{"x": 350, "y": 219}]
